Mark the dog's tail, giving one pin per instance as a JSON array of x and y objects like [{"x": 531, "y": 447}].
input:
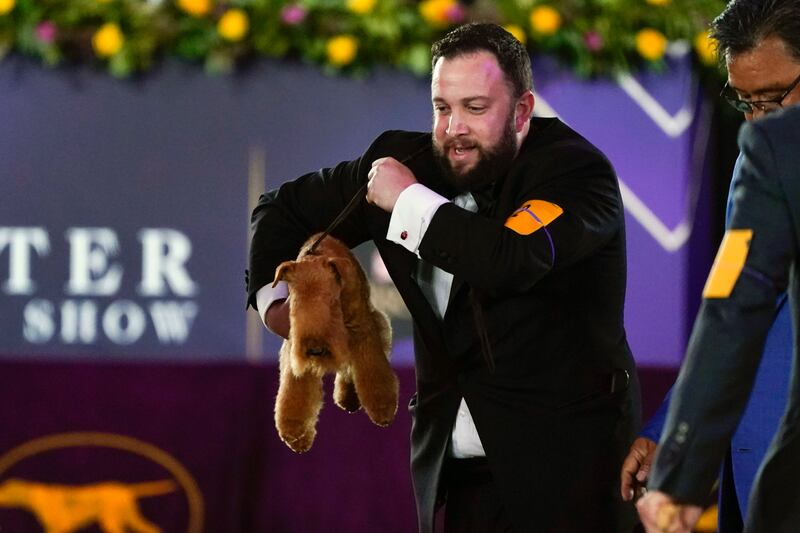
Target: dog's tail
[{"x": 153, "y": 488}]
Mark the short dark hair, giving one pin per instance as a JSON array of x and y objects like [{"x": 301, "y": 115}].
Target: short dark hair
[
  {"x": 477, "y": 36},
  {"x": 744, "y": 24}
]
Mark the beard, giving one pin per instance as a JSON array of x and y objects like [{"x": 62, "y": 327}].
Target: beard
[{"x": 493, "y": 161}]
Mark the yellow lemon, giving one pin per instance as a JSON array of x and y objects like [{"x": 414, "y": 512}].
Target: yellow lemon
[
  {"x": 545, "y": 20},
  {"x": 233, "y": 25},
  {"x": 658, "y": 2},
  {"x": 196, "y": 8},
  {"x": 6, "y": 6},
  {"x": 342, "y": 50},
  {"x": 108, "y": 40},
  {"x": 706, "y": 48},
  {"x": 361, "y": 7},
  {"x": 435, "y": 12},
  {"x": 517, "y": 32},
  {"x": 651, "y": 44}
]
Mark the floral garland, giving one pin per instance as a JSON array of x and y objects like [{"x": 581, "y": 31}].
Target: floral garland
[{"x": 593, "y": 37}]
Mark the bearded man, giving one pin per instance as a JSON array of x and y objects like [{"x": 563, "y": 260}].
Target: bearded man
[{"x": 505, "y": 236}]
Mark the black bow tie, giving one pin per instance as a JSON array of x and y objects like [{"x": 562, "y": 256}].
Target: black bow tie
[{"x": 484, "y": 199}]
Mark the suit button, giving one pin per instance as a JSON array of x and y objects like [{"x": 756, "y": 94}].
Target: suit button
[
  {"x": 443, "y": 255},
  {"x": 404, "y": 235}
]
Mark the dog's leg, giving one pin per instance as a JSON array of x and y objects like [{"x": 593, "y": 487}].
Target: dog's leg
[
  {"x": 374, "y": 379},
  {"x": 344, "y": 392},
  {"x": 133, "y": 520},
  {"x": 297, "y": 406},
  {"x": 109, "y": 524}
]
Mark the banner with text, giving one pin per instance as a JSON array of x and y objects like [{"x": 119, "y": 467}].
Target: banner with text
[{"x": 125, "y": 204}]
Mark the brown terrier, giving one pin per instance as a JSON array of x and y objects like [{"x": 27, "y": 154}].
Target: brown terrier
[{"x": 334, "y": 328}]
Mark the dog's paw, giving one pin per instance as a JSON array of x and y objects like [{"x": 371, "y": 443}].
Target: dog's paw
[
  {"x": 346, "y": 397},
  {"x": 349, "y": 404},
  {"x": 382, "y": 414},
  {"x": 297, "y": 436}
]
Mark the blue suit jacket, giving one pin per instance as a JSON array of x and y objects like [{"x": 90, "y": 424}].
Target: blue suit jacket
[{"x": 761, "y": 417}]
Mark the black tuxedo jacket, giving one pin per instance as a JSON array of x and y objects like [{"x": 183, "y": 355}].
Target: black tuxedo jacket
[
  {"x": 755, "y": 264},
  {"x": 559, "y": 410}
]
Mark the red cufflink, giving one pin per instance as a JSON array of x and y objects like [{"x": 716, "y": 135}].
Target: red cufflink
[{"x": 404, "y": 235}]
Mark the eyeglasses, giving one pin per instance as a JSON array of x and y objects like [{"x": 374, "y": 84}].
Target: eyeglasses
[{"x": 751, "y": 106}]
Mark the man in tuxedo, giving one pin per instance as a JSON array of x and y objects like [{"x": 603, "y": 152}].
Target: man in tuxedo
[
  {"x": 756, "y": 262},
  {"x": 504, "y": 234},
  {"x": 760, "y": 42}
]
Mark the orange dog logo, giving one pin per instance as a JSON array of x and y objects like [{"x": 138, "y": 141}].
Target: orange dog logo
[{"x": 65, "y": 509}]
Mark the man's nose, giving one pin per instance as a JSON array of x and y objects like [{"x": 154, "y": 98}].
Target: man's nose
[
  {"x": 456, "y": 125},
  {"x": 758, "y": 113}
]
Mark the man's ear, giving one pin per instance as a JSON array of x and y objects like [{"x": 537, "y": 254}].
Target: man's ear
[
  {"x": 283, "y": 272},
  {"x": 523, "y": 110}
]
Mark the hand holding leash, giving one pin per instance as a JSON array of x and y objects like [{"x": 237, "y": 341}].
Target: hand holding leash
[{"x": 388, "y": 177}]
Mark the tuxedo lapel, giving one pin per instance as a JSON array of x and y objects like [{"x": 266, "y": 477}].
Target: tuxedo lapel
[
  {"x": 402, "y": 267},
  {"x": 486, "y": 203}
]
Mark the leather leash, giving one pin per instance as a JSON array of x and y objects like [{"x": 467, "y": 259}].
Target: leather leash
[{"x": 357, "y": 197}]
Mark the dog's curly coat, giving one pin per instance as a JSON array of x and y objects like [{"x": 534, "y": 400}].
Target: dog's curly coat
[{"x": 334, "y": 328}]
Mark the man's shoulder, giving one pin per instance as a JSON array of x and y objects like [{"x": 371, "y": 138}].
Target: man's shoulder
[
  {"x": 789, "y": 118},
  {"x": 551, "y": 141},
  {"x": 783, "y": 127},
  {"x": 773, "y": 140},
  {"x": 549, "y": 133}
]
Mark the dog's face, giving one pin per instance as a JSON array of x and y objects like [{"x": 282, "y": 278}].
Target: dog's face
[{"x": 318, "y": 333}]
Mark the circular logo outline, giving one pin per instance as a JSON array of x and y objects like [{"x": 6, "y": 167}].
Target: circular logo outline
[{"x": 194, "y": 496}]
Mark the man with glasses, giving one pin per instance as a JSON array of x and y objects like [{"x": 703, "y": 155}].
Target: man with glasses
[
  {"x": 760, "y": 41},
  {"x": 754, "y": 75},
  {"x": 751, "y": 107}
]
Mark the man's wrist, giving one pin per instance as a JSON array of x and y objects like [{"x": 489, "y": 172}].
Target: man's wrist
[
  {"x": 412, "y": 214},
  {"x": 267, "y": 295},
  {"x": 276, "y": 318}
]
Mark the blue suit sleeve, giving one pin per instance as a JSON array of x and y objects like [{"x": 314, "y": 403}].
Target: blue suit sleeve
[{"x": 652, "y": 429}]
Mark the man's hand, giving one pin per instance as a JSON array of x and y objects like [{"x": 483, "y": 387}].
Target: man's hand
[
  {"x": 388, "y": 177},
  {"x": 277, "y": 318},
  {"x": 635, "y": 468},
  {"x": 660, "y": 514}
]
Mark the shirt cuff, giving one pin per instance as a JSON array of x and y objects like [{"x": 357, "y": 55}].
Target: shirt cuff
[
  {"x": 411, "y": 216},
  {"x": 268, "y": 295}
]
